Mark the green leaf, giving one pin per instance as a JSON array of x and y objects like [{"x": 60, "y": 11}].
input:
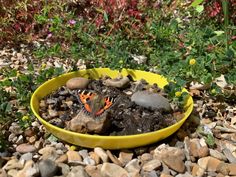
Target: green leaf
[
  {"x": 218, "y": 33},
  {"x": 196, "y": 3},
  {"x": 105, "y": 16},
  {"x": 199, "y": 8}
]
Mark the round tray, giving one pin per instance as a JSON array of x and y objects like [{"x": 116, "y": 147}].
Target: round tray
[{"x": 107, "y": 142}]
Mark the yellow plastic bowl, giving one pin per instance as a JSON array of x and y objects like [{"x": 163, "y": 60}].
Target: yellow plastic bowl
[{"x": 107, "y": 142}]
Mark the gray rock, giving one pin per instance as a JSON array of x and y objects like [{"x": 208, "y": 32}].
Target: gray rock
[
  {"x": 47, "y": 168},
  {"x": 15, "y": 129},
  {"x": 77, "y": 171},
  {"x": 133, "y": 166},
  {"x": 150, "y": 174},
  {"x": 64, "y": 168},
  {"x": 217, "y": 154},
  {"x": 89, "y": 161},
  {"x": 229, "y": 155},
  {"x": 83, "y": 153},
  {"x": 151, "y": 100},
  {"x": 26, "y": 157}
]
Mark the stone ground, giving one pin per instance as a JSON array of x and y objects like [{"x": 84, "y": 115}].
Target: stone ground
[{"x": 204, "y": 146}]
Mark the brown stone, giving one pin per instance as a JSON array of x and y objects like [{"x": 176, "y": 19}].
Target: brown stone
[
  {"x": 232, "y": 169},
  {"x": 74, "y": 158},
  {"x": 197, "y": 171},
  {"x": 173, "y": 158},
  {"x": 77, "y": 83},
  {"x": 113, "y": 170},
  {"x": 29, "y": 132},
  {"x": 195, "y": 148},
  {"x": 63, "y": 158},
  {"x": 203, "y": 151},
  {"x": 223, "y": 168},
  {"x": 83, "y": 123},
  {"x": 24, "y": 148},
  {"x": 213, "y": 163},
  {"x": 95, "y": 157},
  {"x": 209, "y": 163}
]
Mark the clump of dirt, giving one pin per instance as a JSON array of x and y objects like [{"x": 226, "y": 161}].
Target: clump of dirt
[{"x": 66, "y": 109}]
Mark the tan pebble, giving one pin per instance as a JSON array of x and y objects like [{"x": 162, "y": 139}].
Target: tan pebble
[
  {"x": 12, "y": 173},
  {"x": 197, "y": 170},
  {"x": 101, "y": 153},
  {"x": 113, "y": 170},
  {"x": 48, "y": 153},
  {"x": 38, "y": 144},
  {"x": 133, "y": 166},
  {"x": 3, "y": 173},
  {"x": 30, "y": 169},
  {"x": 151, "y": 165},
  {"x": 32, "y": 139},
  {"x": 193, "y": 148},
  {"x": 232, "y": 169},
  {"x": 203, "y": 162},
  {"x": 220, "y": 175},
  {"x": 93, "y": 171},
  {"x": 113, "y": 158},
  {"x": 173, "y": 158},
  {"x": 165, "y": 175},
  {"x": 223, "y": 168},
  {"x": 74, "y": 158},
  {"x": 209, "y": 163},
  {"x": 125, "y": 157},
  {"x": 42, "y": 104},
  {"x": 77, "y": 83},
  {"x": 62, "y": 159},
  {"x": 52, "y": 113},
  {"x": 213, "y": 163},
  {"x": 146, "y": 157},
  {"x": 134, "y": 174},
  {"x": 203, "y": 151},
  {"x": 95, "y": 157},
  {"x": 12, "y": 164}
]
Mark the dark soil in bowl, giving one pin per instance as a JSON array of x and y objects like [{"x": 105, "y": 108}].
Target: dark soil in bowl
[{"x": 107, "y": 110}]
